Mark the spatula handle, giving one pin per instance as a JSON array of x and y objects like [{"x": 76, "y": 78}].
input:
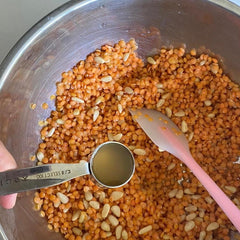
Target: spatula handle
[{"x": 229, "y": 208}]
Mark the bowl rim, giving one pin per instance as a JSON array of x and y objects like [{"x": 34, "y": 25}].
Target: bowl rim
[
  {"x": 47, "y": 21},
  {"x": 21, "y": 45}
]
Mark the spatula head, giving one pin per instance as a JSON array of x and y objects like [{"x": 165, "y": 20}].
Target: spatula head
[{"x": 161, "y": 130}]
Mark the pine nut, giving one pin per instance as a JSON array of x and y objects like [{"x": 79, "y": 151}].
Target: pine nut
[
  {"x": 188, "y": 191},
  {"x": 120, "y": 108},
  {"x": 60, "y": 121},
  {"x": 201, "y": 213},
  {"x": 102, "y": 197},
  {"x": 83, "y": 217},
  {"x": 191, "y": 216},
  {"x": 118, "y": 232},
  {"x": 63, "y": 198},
  {"x": 100, "y": 99},
  {"x": 116, "y": 210},
  {"x": 166, "y": 96},
  {"x": 106, "y": 79},
  {"x": 99, "y": 60},
  {"x": 105, "y": 211},
  {"x": 212, "y": 226},
  {"x": 95, "y": 115},
  {"x": 113, "y": 220},
  {"x": 110, "y": 137},
  {"x": 65, "y": 210},
  {"x": 191, "y": 208},
  {"x": 124, "y": 235},
  {"x": 51, "y": 132},
  {"x": 190, "y": 137},
  {"x": 126, "y": 56},
  {"x": 77, "y": 231},
  {"x": 207, "y": 103},
  {"x": 196, "y": 197},
  {"x": 105, "y": 226},
  {"x": 231, "y": 189},
  {"x": 69, "y": 187},
  {"x": 151, "y": 60},
  {"x": 117, "y": 137},
  {"x": 85, "y": 204},
  {"x": 88, "y": 196},
  {"x": 179, "y": 194},
  {"x": 184, "y": 126},
  {"x": 76, "y": 99},
  {"x": 211, "y": 115},
  {"x": 159, "y": 85},
  {"x": 168, "y": 112},
  {"x": 128, "y": 90},
  {"x": 40, "y": 156},
  {"x": 145, "y": 229},
  {"x": 140, "y": 152},
  {"x": 131, "y": 147},
  {"x": 57, "y": 203},
  {"x": 214, "y": 68},
  {"x": 209, "y": 200},
  {"x": 180, "y": 113},
  {"x": 160, "y": 103},
  {"x": 108, "y": 234},
  {"x": 235, "y": 200},
  {"x": 76, "y": 215},
  {"x": 94, "y": 204},
  {"x": 189, "y": 226},
  {"x": 116, "y": 195},
  {"x": 202, "y": 235},
  {"x": 173, "y": 193},
  {"x": 76, "y": 112},
  {"x": 171, "y": 166}
]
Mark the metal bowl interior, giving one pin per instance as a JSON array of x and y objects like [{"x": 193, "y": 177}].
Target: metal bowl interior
[{"x": 30, "y": 72}]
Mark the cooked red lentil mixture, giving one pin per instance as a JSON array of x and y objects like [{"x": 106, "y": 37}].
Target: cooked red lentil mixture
[{"x": 163, "y": 200}]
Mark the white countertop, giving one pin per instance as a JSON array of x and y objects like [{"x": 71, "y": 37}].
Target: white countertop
[{"x": 17, "y": 16}]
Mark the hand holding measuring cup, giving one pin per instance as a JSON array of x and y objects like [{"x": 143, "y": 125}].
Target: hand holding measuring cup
[{"x": 111, "y": 165}]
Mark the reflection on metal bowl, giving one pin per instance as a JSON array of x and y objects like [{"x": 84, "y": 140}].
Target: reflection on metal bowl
[{"x": 30, "y": 71}]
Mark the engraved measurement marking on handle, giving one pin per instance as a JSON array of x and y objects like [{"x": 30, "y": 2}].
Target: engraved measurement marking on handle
[{"x": 53, "y": 174}]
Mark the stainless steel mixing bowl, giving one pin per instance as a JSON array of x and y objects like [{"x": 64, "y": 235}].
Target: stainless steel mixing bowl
[{"x": 30, "y": 71}]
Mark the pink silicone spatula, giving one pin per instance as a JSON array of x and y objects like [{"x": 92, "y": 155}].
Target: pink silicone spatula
[{"x": 167, "y": 136}]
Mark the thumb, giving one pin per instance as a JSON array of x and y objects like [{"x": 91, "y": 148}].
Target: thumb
[{"x": 7, "y": 162}]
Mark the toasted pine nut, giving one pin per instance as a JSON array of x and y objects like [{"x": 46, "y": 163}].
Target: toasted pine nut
[
  {"x": 113, "y": 220},
  {"x": 145, "y": 230},
  {"x": 189, "y": 226},
  {"x": 105, "y": 211}
]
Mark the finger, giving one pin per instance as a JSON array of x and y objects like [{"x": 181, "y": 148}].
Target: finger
[
  {"x": 8, "y": 201},
  {"x": 7, "y": 162}
]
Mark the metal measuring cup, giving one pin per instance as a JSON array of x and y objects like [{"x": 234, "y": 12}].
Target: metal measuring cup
[{"x": 20, "y": 180}]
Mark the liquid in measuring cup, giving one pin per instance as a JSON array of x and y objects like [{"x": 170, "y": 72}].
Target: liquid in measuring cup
[{"x": 112, "y": 164}]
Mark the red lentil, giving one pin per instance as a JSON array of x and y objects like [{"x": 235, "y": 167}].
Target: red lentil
[{"x": 163, "y": 200}]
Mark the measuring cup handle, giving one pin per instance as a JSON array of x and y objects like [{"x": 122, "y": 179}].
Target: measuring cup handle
[{"x": 20, "y": 180}]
